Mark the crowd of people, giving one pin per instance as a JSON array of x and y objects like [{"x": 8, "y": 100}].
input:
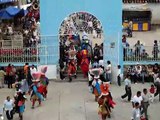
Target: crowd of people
[
  {"x": 27, "y": 26},
  {"x": 139, "y": 51},
  {"x": 79, "y": 22},
  {"x": 141, "y": 102},
  {"x": 26, "y": 81},
  {"x": 143, "y": 73},
  {"x": 100, "y": 80}
]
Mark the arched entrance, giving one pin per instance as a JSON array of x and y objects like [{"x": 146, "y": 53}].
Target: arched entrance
[
  {"x": 84, "y": 31},
  {"x": 106, "y": 11},
  {"x": 79, "y": 28}
]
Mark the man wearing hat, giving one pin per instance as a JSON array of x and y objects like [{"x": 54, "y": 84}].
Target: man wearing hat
[{"x": 105, "y": 101}]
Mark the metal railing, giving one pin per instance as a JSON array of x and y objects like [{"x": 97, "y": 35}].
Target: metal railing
[
  {"x": 22, "y": 55},
  {"x": 11, "y": 43},
  {"x": 144, "y": 53},
  {"x": 39, "y": 55}
]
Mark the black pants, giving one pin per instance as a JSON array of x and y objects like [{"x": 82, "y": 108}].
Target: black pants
[
  {"x": 119, "y": 80},
  {"x": 62, "y": 75},
  {"x": 9, "y": 81},
  {"x": 157, "y": 93},
  {"x": 133, "y": 78},
  {"x": 150, "y": 78},
  {"x": 128, "y": 93},
  {"x": 9, "y": 114},
  {"x": 138, "y": 78}
]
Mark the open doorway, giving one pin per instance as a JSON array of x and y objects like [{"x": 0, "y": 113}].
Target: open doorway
[{"x": 81, "y": 40}]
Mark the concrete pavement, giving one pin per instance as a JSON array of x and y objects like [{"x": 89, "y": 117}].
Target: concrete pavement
[{"x": 72, "y": 101}]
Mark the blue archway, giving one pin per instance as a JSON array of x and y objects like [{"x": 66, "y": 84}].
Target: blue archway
[{"x": 109, "y": 12}]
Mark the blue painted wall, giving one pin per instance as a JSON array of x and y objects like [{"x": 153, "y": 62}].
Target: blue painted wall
[{"x": 109, "y": 12}]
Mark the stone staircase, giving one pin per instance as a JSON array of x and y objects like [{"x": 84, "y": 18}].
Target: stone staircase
[{"x": 80, "y": 77}]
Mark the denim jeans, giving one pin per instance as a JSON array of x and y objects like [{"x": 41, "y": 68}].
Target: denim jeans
[{"x": 109, "y": 77}]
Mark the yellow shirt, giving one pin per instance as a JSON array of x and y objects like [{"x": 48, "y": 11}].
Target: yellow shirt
[{"x": 2, "y": 73}]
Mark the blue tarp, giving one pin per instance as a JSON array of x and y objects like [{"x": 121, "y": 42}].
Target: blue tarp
[
  {"x": 12, "y": 10},
  {"x": 22, "y": 12},
  {"x": 5, "y": 15},
  {"x": 6, "y": 1},
  {"x": 9, "y": 12}
]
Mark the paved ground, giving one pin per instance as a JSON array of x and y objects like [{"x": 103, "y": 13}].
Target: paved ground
[{"x": 72, "y": 101}]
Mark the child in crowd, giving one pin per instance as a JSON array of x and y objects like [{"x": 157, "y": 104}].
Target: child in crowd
[{"x": 152, "y": 92}]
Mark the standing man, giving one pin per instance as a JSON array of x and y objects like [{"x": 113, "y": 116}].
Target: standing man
[
  {"x": 157, "y": 84},
  {"x": 9, "y": 75},
  {"x": 145, "y": 103},
  {"x": 90, "y": 27},
  {"x": 26, "y": 67},
  {"x": 109, "y": 72},
  {"x": 155, "y": 49},
  {"x": 130, "y": 28},
  {"x": 128, "y": 90},
  {"x": 33, "y": 69},
  {"x": 119, "y": 75}
]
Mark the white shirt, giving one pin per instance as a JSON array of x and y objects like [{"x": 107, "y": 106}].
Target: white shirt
[
  {"x": 109, "y": 68},
  {"x": 136, "y": 114},
  {"x": 84, "y": 35},
  {"x": 139, "y": 70},
  {"x": 90, "y": 24},
  {"x": 101, "y": 54},
  {"x": 101, "y": 62},
  {"x": 10, "y": 30},
  {"x": 119, "y": 72},
  {"x": 8, "y": 105},
  {"x": 94, "y": 33},
  {"x": 137, "y": 99},
  {"x": 33, "y": 70},
  {"x": 35, "y": 33},
  {"x": 158, "y": 80}
]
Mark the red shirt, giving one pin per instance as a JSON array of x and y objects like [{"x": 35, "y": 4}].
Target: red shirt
[
  {"x": 8, "y": 70},
  {"x": 152, "y": 90}
]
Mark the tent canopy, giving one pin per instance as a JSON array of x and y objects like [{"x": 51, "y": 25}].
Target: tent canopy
[
  {"x": 5, "y": 15},
  {"x": 22, "y": 13},
  {"x": 6, "y": 1},
  {"x": 10, "y": 12}
]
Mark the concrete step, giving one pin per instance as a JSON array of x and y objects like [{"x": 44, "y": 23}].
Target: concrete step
[
  {"x": 78, "y": 79},
  {"x": 78, "y": 75}
]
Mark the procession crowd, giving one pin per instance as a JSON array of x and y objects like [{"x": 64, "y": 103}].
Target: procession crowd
[
  {"x": 100, "y": 80},
  {"x": 26, "y": 81}
]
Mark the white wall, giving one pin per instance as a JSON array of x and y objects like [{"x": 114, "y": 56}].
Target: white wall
[{"x": 51, "y": 71}]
